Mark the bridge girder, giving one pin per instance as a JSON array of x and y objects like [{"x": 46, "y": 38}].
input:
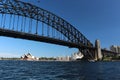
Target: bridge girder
[{"x": 27, "y": 10}]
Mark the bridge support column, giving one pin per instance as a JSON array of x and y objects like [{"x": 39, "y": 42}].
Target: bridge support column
[{"x": 98, "y": 53}]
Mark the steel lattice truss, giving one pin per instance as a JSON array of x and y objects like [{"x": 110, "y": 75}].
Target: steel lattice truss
[{"x": 16, "y": 7}]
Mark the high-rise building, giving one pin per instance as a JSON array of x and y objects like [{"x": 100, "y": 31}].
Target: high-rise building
[
  {"x": 118, "y": 49},
  {"x": 115, "y": 48},
  {"x": 67, "y": 58}
]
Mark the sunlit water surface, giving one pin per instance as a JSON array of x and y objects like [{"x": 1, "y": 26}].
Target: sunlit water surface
[{"x": 37, "y": 70}]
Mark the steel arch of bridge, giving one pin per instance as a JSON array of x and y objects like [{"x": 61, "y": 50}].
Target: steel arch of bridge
[
  {"x": 74, "y": 37},
  {"x": 25, "y": 9}
]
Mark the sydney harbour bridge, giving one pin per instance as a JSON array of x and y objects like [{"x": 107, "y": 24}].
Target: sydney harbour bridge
[{"x": 26, "y": 21}]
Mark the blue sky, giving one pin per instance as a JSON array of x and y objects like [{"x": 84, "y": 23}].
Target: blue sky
[{"x": 96, "y": 19}]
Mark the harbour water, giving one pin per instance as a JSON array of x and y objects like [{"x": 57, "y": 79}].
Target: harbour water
[{"x": 40, "y": 70}]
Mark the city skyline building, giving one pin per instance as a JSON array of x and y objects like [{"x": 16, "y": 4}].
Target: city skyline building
[
  {"x": 63, "y": 58},
  {"x": 115, "y": 48}
]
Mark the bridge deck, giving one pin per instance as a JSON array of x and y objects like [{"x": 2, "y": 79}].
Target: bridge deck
[{"x": 28, "y": 36}]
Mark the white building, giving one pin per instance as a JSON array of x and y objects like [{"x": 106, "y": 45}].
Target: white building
[
  {"x": 67, "y": 58},
  {"x": 29, "y": 57},
  {"x": 77, "y": 56},
  {"x": 115, "y": 48}
]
